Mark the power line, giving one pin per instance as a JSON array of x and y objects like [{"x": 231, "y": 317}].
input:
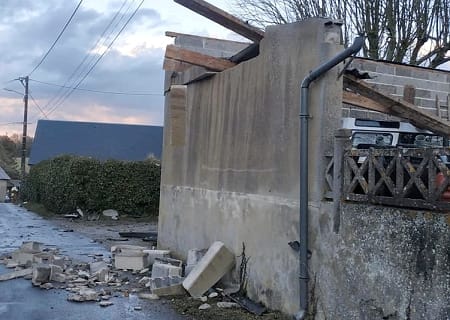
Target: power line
[
  {"x": 37, "y": 105},
  {"x": 57, "y": 97},
  {"x": 100, "y": 91},
  {"x": 98, "y": 60},
  {"x": 57, "y": 38}
]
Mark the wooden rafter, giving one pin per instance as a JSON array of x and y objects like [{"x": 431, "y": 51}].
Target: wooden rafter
[
  {"x": 397, "y": 107},
  {"x": 198, "y": 59},
  {"x": 223, "y": 18}
]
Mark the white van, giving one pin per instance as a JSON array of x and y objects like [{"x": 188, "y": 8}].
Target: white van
[{"x": 377, "y": 133}]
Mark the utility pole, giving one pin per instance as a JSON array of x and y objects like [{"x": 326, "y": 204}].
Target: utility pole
[{"x": 25, "y": 120}]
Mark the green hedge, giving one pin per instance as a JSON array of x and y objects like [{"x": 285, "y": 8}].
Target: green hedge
[{"x": 64, "y": 183}]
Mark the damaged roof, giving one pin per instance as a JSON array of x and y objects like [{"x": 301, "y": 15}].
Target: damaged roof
[
  {"x": 101, "y": 141},
  {"x": 3, "y": 175}
]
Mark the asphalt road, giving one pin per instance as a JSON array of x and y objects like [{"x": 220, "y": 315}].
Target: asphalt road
[{"x": 19, "y": 300}]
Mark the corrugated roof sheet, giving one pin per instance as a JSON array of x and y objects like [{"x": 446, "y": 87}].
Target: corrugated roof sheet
[
  {"x": 3, "y": 175},
  {"x": 102, "y": 141}
]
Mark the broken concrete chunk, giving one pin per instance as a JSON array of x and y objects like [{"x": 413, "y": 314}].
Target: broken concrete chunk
[
  {"x": 113, "y": 214},
  {"x": 95, "y": 267},
  {"x": 12, "y": 264},
  {"x": 203, "y": 299},
  {"x": 31, "y": 246},
  {"x": 153, "y": 254},
  {"x": 204, "y": 306},
  {"x": 165, "y": 270},
  {"x": 84, "y": 294},
  {"x": 42, "y": 257},
  {"x": 80, "y": 212},
  {"x": 166, "y": 286},
  {"x": 171, "y": 261},
  {"x": 105, "y": 303},
  {"x": 23, "y": 258},
  {"x": 213, "y": 295},
  {"x": 16, "y": 274},
  {"x": 227, "y": 305},
  {"x": 217, "y": 261},
  {"x": 134, "y": 261},
  {"x": 125, "y": 248},
  {"x": 41, "y": 274},
  {"x": 148, "y": 296},
  {"x": 46, "y": 286}
]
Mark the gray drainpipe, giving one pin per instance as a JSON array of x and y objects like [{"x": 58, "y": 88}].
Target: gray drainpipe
[{"x": 303, "y": 253}]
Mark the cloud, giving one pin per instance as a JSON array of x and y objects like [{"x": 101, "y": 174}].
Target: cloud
[{"x": 133, "y": 64}]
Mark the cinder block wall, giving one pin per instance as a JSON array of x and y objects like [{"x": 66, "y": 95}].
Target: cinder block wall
[
  {"x": 231, "y": 156},
  {"x": 432, "y": 86}
]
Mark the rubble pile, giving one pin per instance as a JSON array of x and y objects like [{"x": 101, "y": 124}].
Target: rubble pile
[{"x": 143, "y": 271}]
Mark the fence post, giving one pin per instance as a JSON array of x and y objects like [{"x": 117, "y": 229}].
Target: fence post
[{"x": 342, "y": 143}]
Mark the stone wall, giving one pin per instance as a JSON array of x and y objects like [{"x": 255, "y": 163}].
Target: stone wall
[
  {"x": 432, "y": 86},
  {"x": 383, "y": 263}
]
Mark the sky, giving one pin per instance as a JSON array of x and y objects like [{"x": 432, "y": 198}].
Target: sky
[{"x": 133, "y": 64}]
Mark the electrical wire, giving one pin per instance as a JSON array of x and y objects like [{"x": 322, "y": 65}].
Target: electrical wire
[
  {"x": 37, "y": 105},
  {"x": 100, "y": 91},
  {"x": 58, "y": 96},
  {"x": 57, "y": 38},
  {"x": 98, "y": 59}
]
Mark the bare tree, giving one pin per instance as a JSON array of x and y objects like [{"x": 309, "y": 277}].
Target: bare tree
[{"x": 411, "y": 31}]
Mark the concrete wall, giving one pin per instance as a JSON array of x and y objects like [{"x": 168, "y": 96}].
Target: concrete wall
[
  {"x": 210, "y": 46},
  {"x": 383, "y": 263},
  {"x": 3, "y": 184},
  {"x": 432, "y": 86},
  {"x": 230, "y": 160}
]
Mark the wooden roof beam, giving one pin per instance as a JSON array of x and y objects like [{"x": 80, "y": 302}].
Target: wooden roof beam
[
  {"x": 223, "y": 18},
  {"x": 198, "y": 59},
  {"x": 398, "y": 107}
]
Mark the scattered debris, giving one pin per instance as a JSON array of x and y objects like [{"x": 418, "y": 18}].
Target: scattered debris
[
  {"x": 113, "y": 214},
  {"x": 129, "y": 273}
]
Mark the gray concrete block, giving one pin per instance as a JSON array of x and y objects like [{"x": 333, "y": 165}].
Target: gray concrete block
[
  {"x": 403, "y": 71},
  {"x": 41, "y": 274},
  {"x": 23, "y": 258},
  {"x": 153, "y": 254},
  {"x": 165, "y": 270},
  {"x": 31, "y": 246},
  {"x": 137, "y": 261},
  {"x": 167, "y": 286},
  {"x": 217, "y": 261}
]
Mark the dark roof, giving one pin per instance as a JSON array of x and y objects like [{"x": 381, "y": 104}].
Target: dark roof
[
  {"x": 3, "y": 175},
  {"x": 102, "y": 141}
]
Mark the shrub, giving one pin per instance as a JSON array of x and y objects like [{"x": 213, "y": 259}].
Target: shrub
[{"x": 64, "y": 183}]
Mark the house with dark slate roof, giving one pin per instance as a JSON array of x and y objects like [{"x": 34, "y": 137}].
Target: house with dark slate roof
[
  {"x": 101, "y": 141},
  {"x": 4, "y": 178}
]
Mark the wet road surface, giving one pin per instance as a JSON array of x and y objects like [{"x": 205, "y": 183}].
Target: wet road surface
[{"x": 19, "y": 300}]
